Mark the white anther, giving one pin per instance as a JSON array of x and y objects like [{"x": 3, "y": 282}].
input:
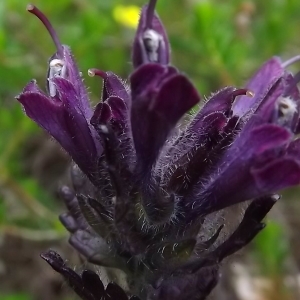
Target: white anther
[
  {"x": 152, "y": 39},
  {"x": 57, "y": 68},
  {"x": 104, "y": 129},
  {"x": 287, "y": 107}
]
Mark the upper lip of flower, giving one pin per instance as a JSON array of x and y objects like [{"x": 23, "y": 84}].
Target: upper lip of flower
[{"x": 151, "y": 42}]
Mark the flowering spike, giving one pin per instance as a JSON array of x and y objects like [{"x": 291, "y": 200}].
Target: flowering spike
[{"x": 144, "y": 185}]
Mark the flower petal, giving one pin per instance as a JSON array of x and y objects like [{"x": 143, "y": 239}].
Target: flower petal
[
  {"x": 114, "y": 86},
  {"x": 74, "y": 76},
  {"x": 260, "y": 84},
  {"x": 233, "y": 181},
  {"x": 221, "y": 101},
  {"x": 158, "y": 112},
  {"x": 277, "y": 175},
  {"x": 190, "y": 163},
  {"x": 66, "y": 123},
  {"x": 151, "y": 42}
]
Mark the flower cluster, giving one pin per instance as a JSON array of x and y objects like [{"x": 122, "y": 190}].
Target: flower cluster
[{"x": 146, "y": 190}]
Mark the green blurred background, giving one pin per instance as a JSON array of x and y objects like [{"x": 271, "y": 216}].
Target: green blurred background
[{"x": 217, "y": 43}]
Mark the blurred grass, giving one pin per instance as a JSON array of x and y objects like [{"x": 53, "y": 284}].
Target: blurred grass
[
  {"x": 216, "y": 43},
  {"x": 16, "y": 297}
]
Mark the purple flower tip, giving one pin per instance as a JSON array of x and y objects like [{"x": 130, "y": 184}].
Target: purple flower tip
[{"x": 151, "y": 43}]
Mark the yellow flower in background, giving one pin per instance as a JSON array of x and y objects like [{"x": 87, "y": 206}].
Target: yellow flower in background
[{"x": 127, "y": 15}]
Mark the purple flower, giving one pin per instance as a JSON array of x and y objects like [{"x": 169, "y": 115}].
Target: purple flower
[
  {"x": 65, "y": 110},
  {"x": 149, "y": 197}
]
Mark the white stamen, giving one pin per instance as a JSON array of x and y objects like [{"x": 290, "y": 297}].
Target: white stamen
[
  {"x": 287, "y": 108},
  {"x": 91, "y": 72},
  {"x": 57, "y": 68},
  {"x": 104, "y": 129},
  {"x": 152, "y": 39}
]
